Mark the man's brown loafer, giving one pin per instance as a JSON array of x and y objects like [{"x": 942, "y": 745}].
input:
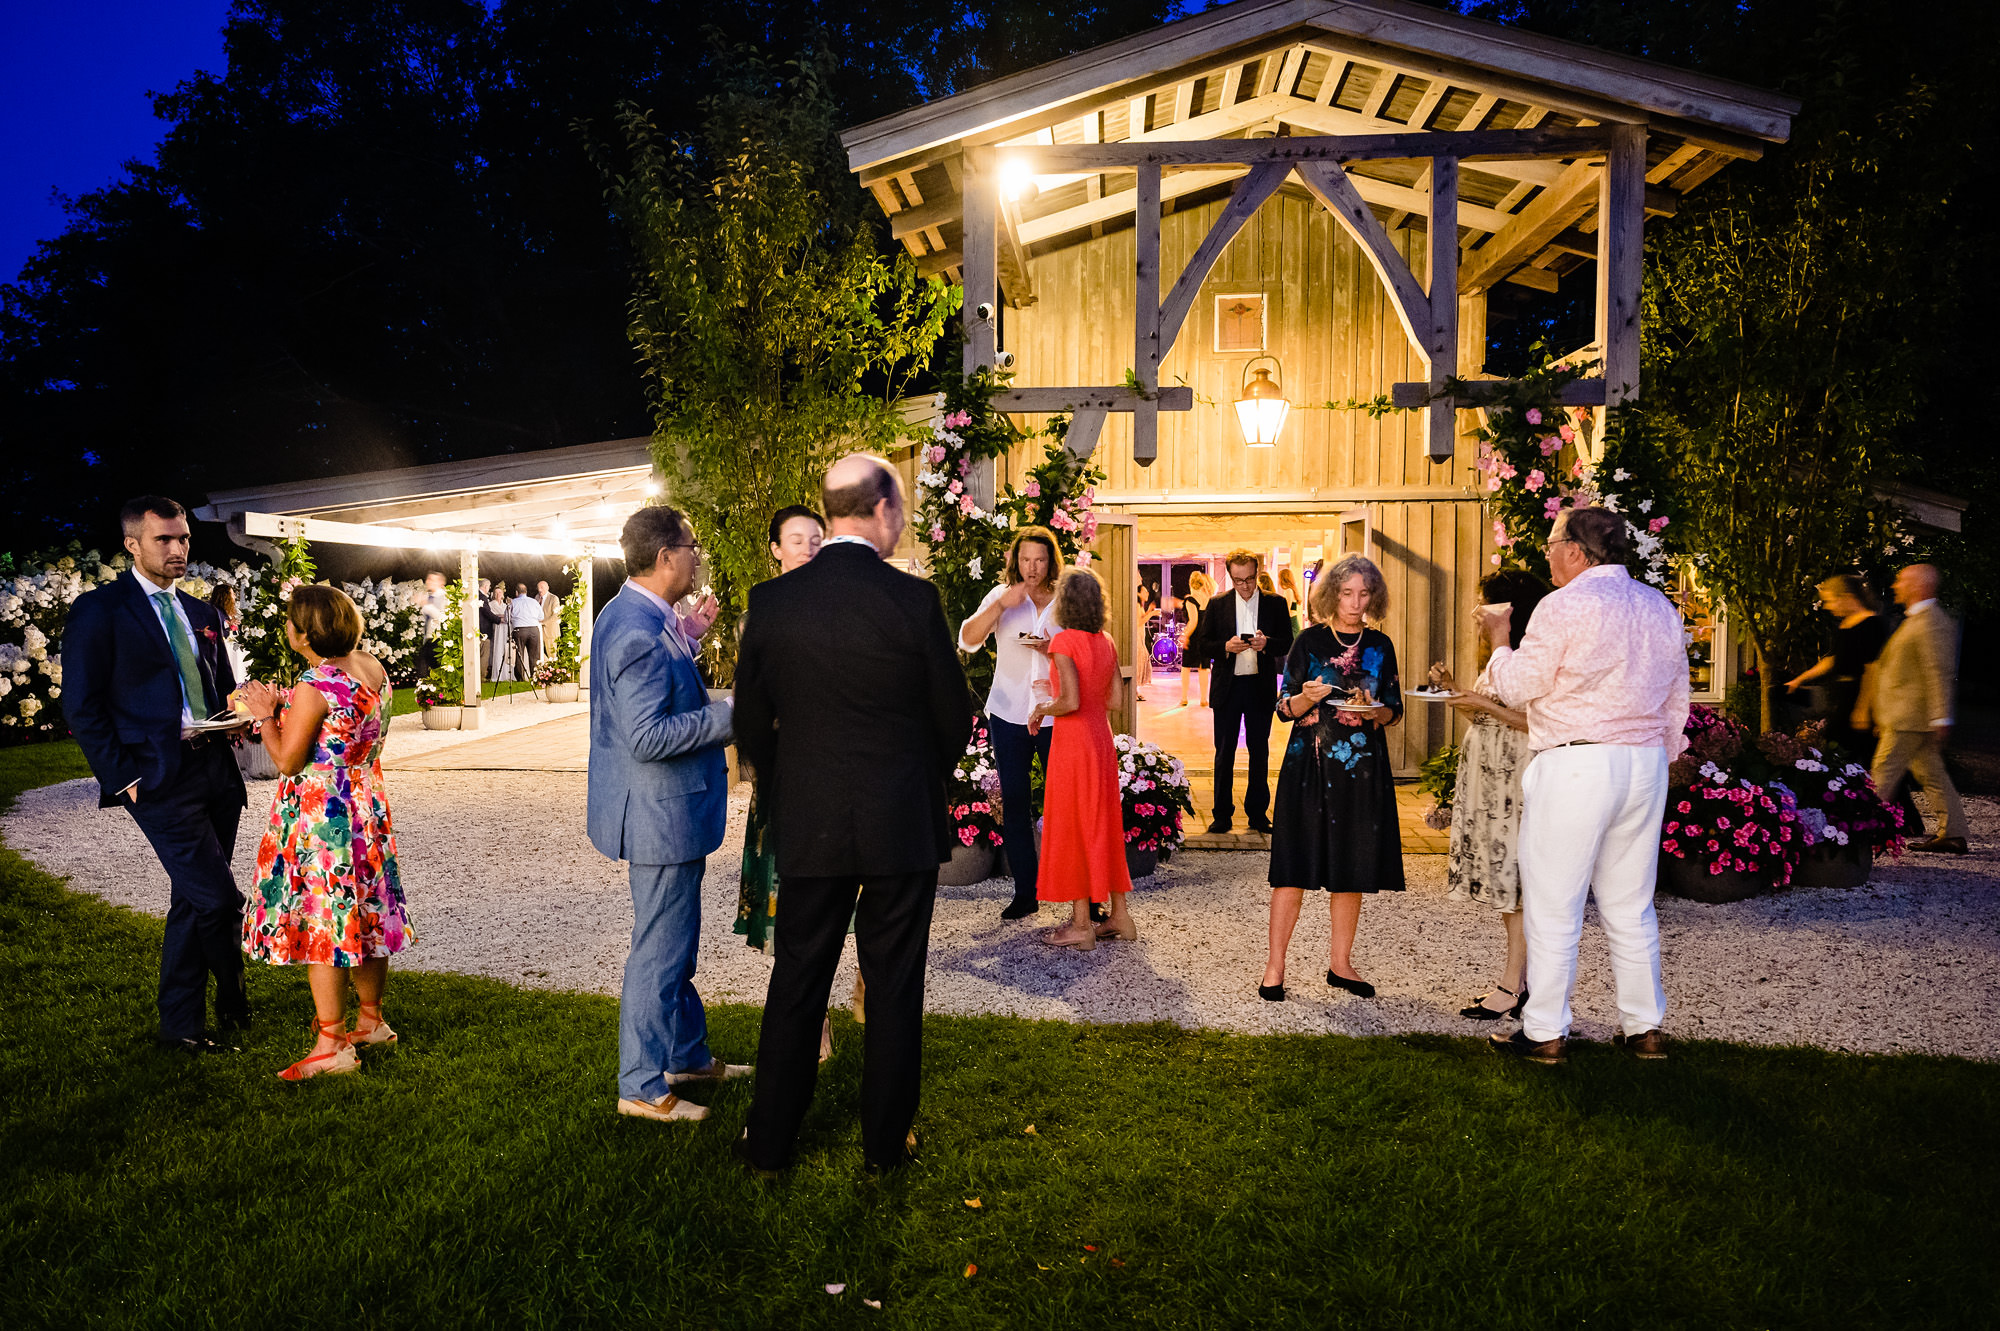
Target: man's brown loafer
[
  {"x": 668, "y": 1109},
  {"x": 1648, "y": 1044},
  {"x": 1535, "y": 1051}
]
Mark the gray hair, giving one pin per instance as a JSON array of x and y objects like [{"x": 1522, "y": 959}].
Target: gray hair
[
  {"x": 1598, "y": 532},
  {"x": 1325, "y": 598}
]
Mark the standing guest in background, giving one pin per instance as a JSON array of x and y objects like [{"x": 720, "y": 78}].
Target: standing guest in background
[
  {"x": 658, "y": 795},
  {"x": 431, "y": 609},
  {"x": 1194, "y": 668},
  {"x": 492, "y": 614},
  {"x": 1484, "y": 864},
  {"x": 1148, "y": 608},
  {"x": 551, "y": 605},
  {"x": 1084, "y": 859},
  {"x": 328, "y": 894},
  {"x": 1247, "y": 635},
  {"x": 524, "y": 624},
  {"x": 796, "y": 535},
  {"x": 142, "y": 663},
  {"x": 1020, "y": 615},
  {"x": 1336, "y": 829},
  {"x": 222, "y": 600},
  {"x": 1602, "y": 673},
  {"x": 852, "y": 702},
  {"x": 1908, "y": 694},
  {"x": 1288, "y": 587}
]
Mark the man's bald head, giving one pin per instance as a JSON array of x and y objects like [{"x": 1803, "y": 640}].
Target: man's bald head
[
  {"x": 1916, "y": 584},
  {"x": 863, "y": 497}
]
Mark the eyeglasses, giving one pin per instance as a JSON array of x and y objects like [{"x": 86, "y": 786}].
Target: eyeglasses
[{"x": 686, "y": 545}]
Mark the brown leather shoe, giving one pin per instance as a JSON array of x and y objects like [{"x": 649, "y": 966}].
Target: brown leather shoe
[
  {"x": 1942, "y": 845},
  {"x": 668, "y": 1109},
  {"x": 1647, "y": 1044},
  {"x": 1535, "y": 1051}
]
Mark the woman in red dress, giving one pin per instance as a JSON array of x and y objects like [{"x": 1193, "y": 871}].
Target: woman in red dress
[{"x": 1083, "y": 825}]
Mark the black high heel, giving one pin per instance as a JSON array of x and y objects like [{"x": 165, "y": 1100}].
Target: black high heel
[
  {"x": 1359, "y": 988},
  {"x": 1478, "y": 1011},
  {"x": 1271, "y": 993}
]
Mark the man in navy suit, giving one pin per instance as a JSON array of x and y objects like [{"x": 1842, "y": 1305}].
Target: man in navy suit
[
  {"x": 659, "y": 790},
  {"x": 142, "y": 663}
]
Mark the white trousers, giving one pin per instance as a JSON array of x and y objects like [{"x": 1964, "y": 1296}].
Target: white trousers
[{"x": 1590, "y": 825}]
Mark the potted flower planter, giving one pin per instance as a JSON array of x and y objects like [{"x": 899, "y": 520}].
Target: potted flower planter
[
  {"x": 441, "y": 718},
  {"x": 1829, "y": 865},
  {"x": 1140, "y": 863},
  {"x": 1691, "y": 879},
  {"x": 560, "y": 692},
  {"x": 967, "y": 865}
]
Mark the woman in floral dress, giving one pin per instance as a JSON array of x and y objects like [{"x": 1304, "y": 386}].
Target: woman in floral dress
[
  {"x": 328, "y": 893},
  {"x": 1484, "y": 864},
  {"x": 1333, "y": 820}
]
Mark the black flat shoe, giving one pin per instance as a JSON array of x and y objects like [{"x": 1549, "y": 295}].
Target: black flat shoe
[
  {"x": 1359, "y": 988},
  {"x": 1020, "y": 908},
  {"x": 1271, "y": 993},
  {"x": 1262, "y": 825},
  {"x": 1220, "y": 827},
  {"x": 1478, "y": 1011}
]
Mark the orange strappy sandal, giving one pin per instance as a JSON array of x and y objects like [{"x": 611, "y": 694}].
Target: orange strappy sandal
[
  {"x": 375, "y": 1030},
  {"x": 343, "y": 1059}
]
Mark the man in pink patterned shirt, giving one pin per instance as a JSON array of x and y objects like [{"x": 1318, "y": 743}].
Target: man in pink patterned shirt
[{"x": 1602, "y": 671}]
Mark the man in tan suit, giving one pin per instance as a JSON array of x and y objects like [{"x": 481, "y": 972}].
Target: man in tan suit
[{"x": 1908, "y": 692}]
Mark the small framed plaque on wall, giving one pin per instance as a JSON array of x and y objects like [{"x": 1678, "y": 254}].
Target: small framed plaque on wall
[{"x": 1239, "y": 322}]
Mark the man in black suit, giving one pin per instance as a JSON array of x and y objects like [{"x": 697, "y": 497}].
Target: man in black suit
[
  {"x": 142, "y": 663},
  {"x": 852, "y": 706},
  {"x": 1247, "y": 635}
]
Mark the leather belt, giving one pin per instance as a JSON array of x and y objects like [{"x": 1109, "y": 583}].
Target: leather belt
[{"x": 1572, "y": 743}]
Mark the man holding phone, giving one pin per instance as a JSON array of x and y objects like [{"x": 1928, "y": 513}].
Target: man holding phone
[{"x": 1248, "y": 636}]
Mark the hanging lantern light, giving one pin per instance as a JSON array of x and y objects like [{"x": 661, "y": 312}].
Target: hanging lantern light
[{"x": 1262, "y": 408}]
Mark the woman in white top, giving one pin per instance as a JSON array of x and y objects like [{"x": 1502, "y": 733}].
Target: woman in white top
[{"x": 1020, "y": 615}]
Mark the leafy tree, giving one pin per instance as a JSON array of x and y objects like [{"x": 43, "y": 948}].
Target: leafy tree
[{"x": 773, "y": 334}]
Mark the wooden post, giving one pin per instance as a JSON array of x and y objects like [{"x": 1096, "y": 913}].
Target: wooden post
[
  {"x": 587, "y": 589},
  {"x": 1621, "y": 239},
  {"x": 1441, "y": 415},
  {"x": 982, "y": 217},
  {"x": 1146, "y": 317},
  {"x": 468, "y": 631}
]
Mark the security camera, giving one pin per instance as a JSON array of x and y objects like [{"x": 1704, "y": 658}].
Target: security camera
[
  {"x": 1005, "y": 360},
  {"x": 984, "y": 313}
]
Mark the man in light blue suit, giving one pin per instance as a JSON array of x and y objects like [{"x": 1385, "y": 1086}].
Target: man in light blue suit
[{"x": 659, "y": 788}]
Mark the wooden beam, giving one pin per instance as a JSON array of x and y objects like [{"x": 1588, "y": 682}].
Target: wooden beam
[
  {"x": 1146, "y": 354},
  {"x": 1551, "y": 213},
  {"x": 1441, "y": 424},
  {"x": 1015, "y": 279},
  {"x": 1085, "y": 425},
  {"x": 1251, "y": 192},
  {"x": 1621, "y": 212},
  {"x": 1331, "y": 186},
  {"x": 1485, "y": 392},
  {"x": 1427, "y": 105},
  {"x": 1177, "y": 397},
  {"x": 1055, "y": 159},
  {"x": 1541, "y": 279},
  {"x": 933, "y": 265},
  {"x": 981, "y": 260},
  {"x": 1673, "y": 162}
]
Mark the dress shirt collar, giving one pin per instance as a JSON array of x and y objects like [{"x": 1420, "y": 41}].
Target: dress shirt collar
[
  {"x": 666, "y": 606},
  {"x": 1601, "y": 571},
  {"x": 850, "y": 539},
  {"x": 1920, "y": 607},
  {"x": 152, "y": 589}
]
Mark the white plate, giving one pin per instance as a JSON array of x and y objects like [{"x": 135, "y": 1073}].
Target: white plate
[
  {"x": 1427, "y": 695},
  {"x": 209, "y": 727}
]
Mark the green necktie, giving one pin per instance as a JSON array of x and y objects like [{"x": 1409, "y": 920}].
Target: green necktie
[{"x": 184, "y": 654}]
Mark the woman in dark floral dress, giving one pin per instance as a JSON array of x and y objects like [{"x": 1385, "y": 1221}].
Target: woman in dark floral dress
[{"x": 1333, "y": 820}]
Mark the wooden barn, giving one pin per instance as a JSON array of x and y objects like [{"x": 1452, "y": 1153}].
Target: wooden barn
[{"x": 1329, "y": 191}]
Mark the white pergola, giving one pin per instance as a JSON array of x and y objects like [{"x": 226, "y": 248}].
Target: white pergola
[{"x": 568, "y": 502}]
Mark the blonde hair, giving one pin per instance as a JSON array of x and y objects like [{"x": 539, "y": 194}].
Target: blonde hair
[
  {"x": 326, "y": 618},
  {"x": 1080, "y": 601},
  {"x": 1325, "y": 601},
  {"x": 1199, "y": 584}
]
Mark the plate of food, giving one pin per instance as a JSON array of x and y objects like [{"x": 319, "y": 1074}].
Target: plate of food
[{"x": 1431, "y": 695}]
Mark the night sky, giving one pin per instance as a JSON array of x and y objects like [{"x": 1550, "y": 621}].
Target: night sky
[{"x": 74, "y": 75}]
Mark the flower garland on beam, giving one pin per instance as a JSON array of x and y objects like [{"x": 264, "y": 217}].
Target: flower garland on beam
[{"x": 1537, "y": 458}]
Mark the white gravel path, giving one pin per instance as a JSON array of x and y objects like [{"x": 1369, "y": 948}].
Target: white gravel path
[{"x": 1909, "y": 963}]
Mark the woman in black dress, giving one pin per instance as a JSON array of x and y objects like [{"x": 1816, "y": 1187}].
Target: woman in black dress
[
  {"x": 1857, "y": 641},
  {"x": 1333, "y": 822}
]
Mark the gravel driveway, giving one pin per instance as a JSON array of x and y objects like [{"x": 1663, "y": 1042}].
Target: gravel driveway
[{"x": 503, "y": 883}]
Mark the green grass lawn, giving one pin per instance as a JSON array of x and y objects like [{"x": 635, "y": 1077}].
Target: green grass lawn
[
  {"x": 405, "y": 700},
  {"x": 477, "y": 1174}
]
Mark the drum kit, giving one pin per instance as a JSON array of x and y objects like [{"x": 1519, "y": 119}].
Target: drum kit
[{"x": 1163, "y": 641}]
